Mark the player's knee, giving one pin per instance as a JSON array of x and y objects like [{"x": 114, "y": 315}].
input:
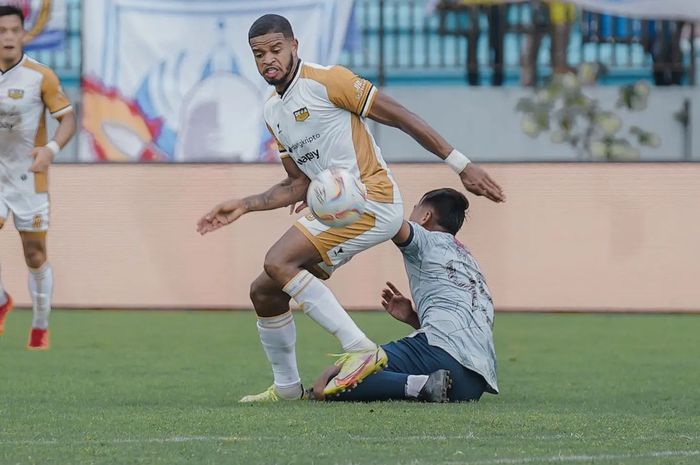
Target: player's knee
[
  {"x": 2, "y": 223},
  {"x": 34, "y": 257},
  {"x": 272, "y": 268},
  {"x": 279, "y": 269},
  {"x": 268, "y": 299},
  {"x": 258, "y": 292}
]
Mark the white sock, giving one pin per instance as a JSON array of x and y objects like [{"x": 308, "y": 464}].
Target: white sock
[
  {"x": 414, "y": 384},
  {"x": 3, "y": 296},
  {"x": 320, "y": 304},
  {"x": 41, "y": 288},
  {"x": 278, "y": 335}
]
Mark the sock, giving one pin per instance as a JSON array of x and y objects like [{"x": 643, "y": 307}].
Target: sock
[
  {"x": 278, "y": 336},
  {"x": 41, "y": 288},
  {"x": 320, "y": 304},
  {"x": 414, "y": 384},
  {"x": 3, "y": 296}
]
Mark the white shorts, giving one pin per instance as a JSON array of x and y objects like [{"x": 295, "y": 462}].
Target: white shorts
[
  {"x": 30, "y": 211},
  {"x": 379, "y": 223}
]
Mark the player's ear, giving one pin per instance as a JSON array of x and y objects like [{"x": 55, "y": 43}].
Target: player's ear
[
  {"x": 426, "y": 217},
  {"x": 295, "y": 45}
]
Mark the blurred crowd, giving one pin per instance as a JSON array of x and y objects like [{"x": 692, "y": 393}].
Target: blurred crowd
[{"x": 660, "y": 39}]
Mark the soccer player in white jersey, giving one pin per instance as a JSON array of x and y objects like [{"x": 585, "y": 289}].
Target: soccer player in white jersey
[
  {"x": 27, "y": 90},
  {"x": 317, "y": 116}
]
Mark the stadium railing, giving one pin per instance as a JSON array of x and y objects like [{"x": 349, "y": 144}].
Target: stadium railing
[
  {"x": 429, "y": 41},
  {"x": 424, "y": 41}
]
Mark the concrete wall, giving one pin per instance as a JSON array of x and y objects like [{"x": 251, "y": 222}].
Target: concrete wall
[
  {"x": 571, "y": 236},
  {"x": 482, "y": 122}
]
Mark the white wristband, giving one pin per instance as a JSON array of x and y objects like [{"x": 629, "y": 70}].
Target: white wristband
[
  {"x": 457, "y": 161},
  {"x": 53, "y": 147}
]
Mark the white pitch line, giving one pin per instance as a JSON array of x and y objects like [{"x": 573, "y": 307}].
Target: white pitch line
[
  {"x": 579, "y": 458},
  {"x": 469, "y": 436},
  {"x": 499, "y": 461},
  {"x": 177, "y": 439},
  {"x": 174, "y": 439}
]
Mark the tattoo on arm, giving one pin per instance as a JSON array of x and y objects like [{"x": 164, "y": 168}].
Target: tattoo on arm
[{"x": 282, "y": 194}]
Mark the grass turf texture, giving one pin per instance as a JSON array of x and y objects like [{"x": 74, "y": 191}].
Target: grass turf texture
[{"x": 162, "y": 387}]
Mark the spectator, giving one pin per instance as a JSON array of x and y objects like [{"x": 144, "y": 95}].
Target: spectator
[
  {"x": 469, "y": 12},
  {"x": 557, "y": 18},
  {"x": 665, "y": 49}
]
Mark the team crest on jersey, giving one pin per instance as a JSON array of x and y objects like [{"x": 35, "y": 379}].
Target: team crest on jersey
[
  {"x": 15, "y": 94},
  {"x": 302, "y": 114}
]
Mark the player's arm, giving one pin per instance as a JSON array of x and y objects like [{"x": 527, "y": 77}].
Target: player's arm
[
  {"x": 399, "y": 306},
  {"x": 404, "y": 234},
  {"x": 44, "y": 155},
  {"x": 287, "y": 192},
  {"x": 60, "y": 108},
  {"x": 387, "y": 111}
]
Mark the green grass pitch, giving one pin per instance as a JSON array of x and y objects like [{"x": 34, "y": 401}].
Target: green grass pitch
[{"x": 162, "y": 388}]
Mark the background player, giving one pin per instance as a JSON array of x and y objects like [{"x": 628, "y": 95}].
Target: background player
[
  {"x": 317, "y": 118},
  {"x": 27, "y": 89},
  {"x": 454, "y": 318}
]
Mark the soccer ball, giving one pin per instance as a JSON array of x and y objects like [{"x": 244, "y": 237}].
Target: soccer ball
[{"x": 336, "y": 198}]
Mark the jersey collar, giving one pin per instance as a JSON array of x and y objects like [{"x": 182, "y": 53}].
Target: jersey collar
[
  {"x": 291, "y": 84},
  {"x": 2, "y": 73}
]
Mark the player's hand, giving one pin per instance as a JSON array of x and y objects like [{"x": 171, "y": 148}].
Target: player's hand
[
  {"x": 396, "y": 304},
  {"x": 320, "y": 384},
  {"x": 42, "y": 159},
  {"x": 294, "y": 208},
  {"x": 477, "y": 181},
  {"x": 221, "y": 215}
]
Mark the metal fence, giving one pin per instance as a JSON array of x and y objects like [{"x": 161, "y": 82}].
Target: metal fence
[
  {"x": 394, "y": 41},
  {"x": 423, "y": 40}
]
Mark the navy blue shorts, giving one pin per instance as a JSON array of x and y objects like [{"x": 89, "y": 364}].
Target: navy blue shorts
[{"x": 414, "y": 356}]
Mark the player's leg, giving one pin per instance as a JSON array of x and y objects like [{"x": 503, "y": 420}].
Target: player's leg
[
  {"x": 422, "y": 365},
  {"x": 278, "y": 337},
  {"x": 40, "y": 286},
  {"x": 336, "y": 246},
  {"x": 388, "y": 385},
  {"x": 409, "y": 373},
  {"x": 5, "y": 299},
  {"x": 383, "y": 385},
  {"x": 414, "y": 355},
  {"x": 331, "y": 248},
  {"x": 286, "y": 263}
]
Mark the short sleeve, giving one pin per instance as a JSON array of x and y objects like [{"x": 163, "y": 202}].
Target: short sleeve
[
  {"x": 52, "y": 95},
  {"x": 417, "y": 241},
  {"x": 282, "y": 149},
  {"x": 344, "y": 88}
]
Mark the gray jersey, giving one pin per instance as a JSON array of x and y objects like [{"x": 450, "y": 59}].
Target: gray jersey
[{"x": 452, "y": 300}]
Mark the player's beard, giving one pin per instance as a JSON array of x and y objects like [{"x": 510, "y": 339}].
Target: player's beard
[{"x": 287, "y": 73}]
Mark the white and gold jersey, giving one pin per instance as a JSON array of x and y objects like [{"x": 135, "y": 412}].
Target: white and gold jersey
[
  {"x": 319, "y": 121},
  {"x": 27, "y": 90}
]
